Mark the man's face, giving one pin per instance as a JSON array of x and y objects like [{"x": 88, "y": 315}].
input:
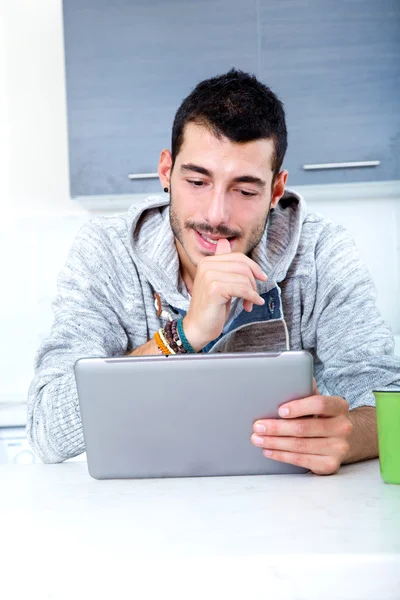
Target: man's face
[{"x": 219, "y": 189}]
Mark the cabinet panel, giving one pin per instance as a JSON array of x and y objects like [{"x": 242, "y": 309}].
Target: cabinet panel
[
  {"x": 129, "y": 64},
  {"x": 336, "y": 67}
]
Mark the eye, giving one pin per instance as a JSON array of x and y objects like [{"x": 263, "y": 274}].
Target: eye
[
  {"x": 247, "y": 193},
  {"x": 195, "y": 183}
]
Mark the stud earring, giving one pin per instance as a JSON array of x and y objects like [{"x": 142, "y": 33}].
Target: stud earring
[{"x": 166, "y": 190}]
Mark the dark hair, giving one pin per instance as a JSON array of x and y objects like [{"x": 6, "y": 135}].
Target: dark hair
[{"x": 235, "y": 105}]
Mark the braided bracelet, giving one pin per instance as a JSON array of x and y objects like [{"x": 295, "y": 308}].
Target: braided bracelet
[
  {"x": 161, "y": 333},
  {"x": 185, "y": 342},
  {"x": 160, "y": 344}
]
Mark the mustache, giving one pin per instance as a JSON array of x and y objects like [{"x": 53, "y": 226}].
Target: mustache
[{"x": 206, "y": 228}]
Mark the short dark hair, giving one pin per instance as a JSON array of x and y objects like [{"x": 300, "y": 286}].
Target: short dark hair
[{"x": 237, "y": 106}]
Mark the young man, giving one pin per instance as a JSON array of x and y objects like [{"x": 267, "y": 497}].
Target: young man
[{"x": 230, "y": 262}]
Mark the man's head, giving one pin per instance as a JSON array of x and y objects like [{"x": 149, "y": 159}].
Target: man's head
[{"x": 229, "y": 140}]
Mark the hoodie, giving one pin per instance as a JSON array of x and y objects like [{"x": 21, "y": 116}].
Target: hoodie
[{"x": 319, "y": 296}]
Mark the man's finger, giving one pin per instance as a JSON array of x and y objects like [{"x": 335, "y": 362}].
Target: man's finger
[
  {"x": 320, "y": 446},
  {"x": 223, "y": 247},
  {"x": 304, "y": 428},
  {"x": 229, "y": 256},
  {"x": 320, "y": 465},
  {"x": 323, "y": 406}
]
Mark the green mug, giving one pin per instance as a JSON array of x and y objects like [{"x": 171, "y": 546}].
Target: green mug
[{"x": 388, "y": 425}]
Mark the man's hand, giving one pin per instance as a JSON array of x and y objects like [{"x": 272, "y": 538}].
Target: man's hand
[
  {"x": 220, "y": 278},
  {"x": 319, "y": 444}
]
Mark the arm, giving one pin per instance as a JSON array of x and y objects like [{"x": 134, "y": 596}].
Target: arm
[
  {"x": 353, "y": 350},
  {"x": 85, "y": 324},
  {"x": 363, "y": 438},
  {"x": 352, "y": 345},
  {"x": 146, "y": 349}
]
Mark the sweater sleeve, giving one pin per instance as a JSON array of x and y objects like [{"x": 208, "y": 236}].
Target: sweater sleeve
[
  {"x": 354, "y": 347},
  {"x": 85, "y": 325}
]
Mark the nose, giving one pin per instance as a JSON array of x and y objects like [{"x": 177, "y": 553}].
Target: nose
[{"x": 218, "y": 210}]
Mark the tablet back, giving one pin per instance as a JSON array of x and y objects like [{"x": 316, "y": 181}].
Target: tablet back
[{"x": 188, "y": 415}]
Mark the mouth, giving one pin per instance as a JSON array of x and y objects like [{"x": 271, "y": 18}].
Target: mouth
[{"x": 209, "y": 242}]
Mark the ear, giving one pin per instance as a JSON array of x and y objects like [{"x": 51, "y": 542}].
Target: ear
[
  {"x": 164, "y": 168},
  {"x": 279, "y": 188}
]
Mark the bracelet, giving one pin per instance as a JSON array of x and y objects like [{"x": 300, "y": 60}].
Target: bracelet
[
  {"x": 161, "y": 333},
  {"x": 185, "y": 342},
  {"x": 160, "y": 344},
  {"x": 173, "y": 339}
]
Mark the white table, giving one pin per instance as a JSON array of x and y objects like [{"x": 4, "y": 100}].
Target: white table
[{"x": 65, "y": 535}]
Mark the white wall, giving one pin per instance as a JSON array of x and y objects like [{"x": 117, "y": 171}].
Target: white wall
[
  {"x": 38, "y": 219},
  {"x": 4, "y": 133},
  {"x": 34, "y": 93}
]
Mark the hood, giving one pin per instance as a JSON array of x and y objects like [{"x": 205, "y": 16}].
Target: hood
[{"x": 154, "y": 252}]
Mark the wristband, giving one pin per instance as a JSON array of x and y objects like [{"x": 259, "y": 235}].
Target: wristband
[
  {"x": 185, "y": 342},
  {"x": 160, "y": 344}
]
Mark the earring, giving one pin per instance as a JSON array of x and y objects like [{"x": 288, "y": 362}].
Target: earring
[
  {"x": 271, "y": 210},
  {"x": 166, "y": 190}
]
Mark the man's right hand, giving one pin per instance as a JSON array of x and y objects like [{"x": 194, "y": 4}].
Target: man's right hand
[{"x": 220, "y": 278}]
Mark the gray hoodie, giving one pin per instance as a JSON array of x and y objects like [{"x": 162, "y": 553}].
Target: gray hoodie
[{"x": 319, "y": 297}]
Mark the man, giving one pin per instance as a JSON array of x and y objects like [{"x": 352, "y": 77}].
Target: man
[{"x": 238, "y": 264}]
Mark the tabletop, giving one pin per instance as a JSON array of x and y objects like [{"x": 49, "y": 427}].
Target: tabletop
[{"x": 295, "y": 536}]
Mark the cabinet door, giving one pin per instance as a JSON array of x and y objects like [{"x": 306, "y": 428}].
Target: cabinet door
[
  {"x": 129, "y": 64},
  {"x": 336, "y": 66}
]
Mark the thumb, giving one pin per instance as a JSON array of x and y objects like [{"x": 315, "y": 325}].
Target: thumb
[
  {"x": 315, "y": 389},
  {"x": 223, "y": 247}
]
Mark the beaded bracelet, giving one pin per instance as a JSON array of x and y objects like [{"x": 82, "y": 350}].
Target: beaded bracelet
[
  {"x": 176, "y": 337},
  {"x": 173, "y": 339}
]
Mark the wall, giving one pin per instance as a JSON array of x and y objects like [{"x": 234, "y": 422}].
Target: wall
[
  {"x": 34, "y": 178},
  {"x": 39, "y": 220},
  {"x": 35, "y": 94}
]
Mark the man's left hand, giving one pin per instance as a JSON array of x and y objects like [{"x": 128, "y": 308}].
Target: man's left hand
[{"x": 319, "y": 444}]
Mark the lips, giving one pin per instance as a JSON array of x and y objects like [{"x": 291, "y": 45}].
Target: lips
[
  {"x": 209, "y": 242},
  {"x": 209, "y": 239}
]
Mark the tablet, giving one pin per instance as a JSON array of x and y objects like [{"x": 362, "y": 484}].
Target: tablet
[{"x": 187, "y": 415}]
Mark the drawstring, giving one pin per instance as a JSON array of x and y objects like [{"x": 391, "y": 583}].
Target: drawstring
[{"x": 158, "y": 306}]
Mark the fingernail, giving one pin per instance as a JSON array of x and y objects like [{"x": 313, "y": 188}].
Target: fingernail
[
  {"x": 264, "y": 274},
  {"x": 260, "y": 428},
  {"x": 267, "y": 452},
  {"x": 257, "y": 440},
  {"x": 283, "y": 412}
]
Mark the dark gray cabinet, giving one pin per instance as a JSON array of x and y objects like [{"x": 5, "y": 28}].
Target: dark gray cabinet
[
  {"x": 336, "y": 66},
  {"x": 129, "y": 64}
]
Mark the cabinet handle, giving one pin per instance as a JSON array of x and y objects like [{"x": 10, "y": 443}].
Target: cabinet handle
[
  {"x": 344, "y": 165},
  {"x": 143, "y": 176}
]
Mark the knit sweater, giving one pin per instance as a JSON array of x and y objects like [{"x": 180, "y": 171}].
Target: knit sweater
[{"x": 319, "y": 296}]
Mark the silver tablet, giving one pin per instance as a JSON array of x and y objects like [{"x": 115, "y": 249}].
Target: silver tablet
[{"x": 185, "y": 416}]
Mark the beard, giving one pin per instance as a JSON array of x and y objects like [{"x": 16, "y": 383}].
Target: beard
[{"x": 178, "y": 228}]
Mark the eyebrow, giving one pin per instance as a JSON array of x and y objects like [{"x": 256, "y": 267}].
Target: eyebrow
[{"x": 207, "y": 173}]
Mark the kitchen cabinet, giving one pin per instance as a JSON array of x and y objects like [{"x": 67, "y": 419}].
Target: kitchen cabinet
[
  {"x": 129, "y": 64},
  {"x": 336, "y": 66}
]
